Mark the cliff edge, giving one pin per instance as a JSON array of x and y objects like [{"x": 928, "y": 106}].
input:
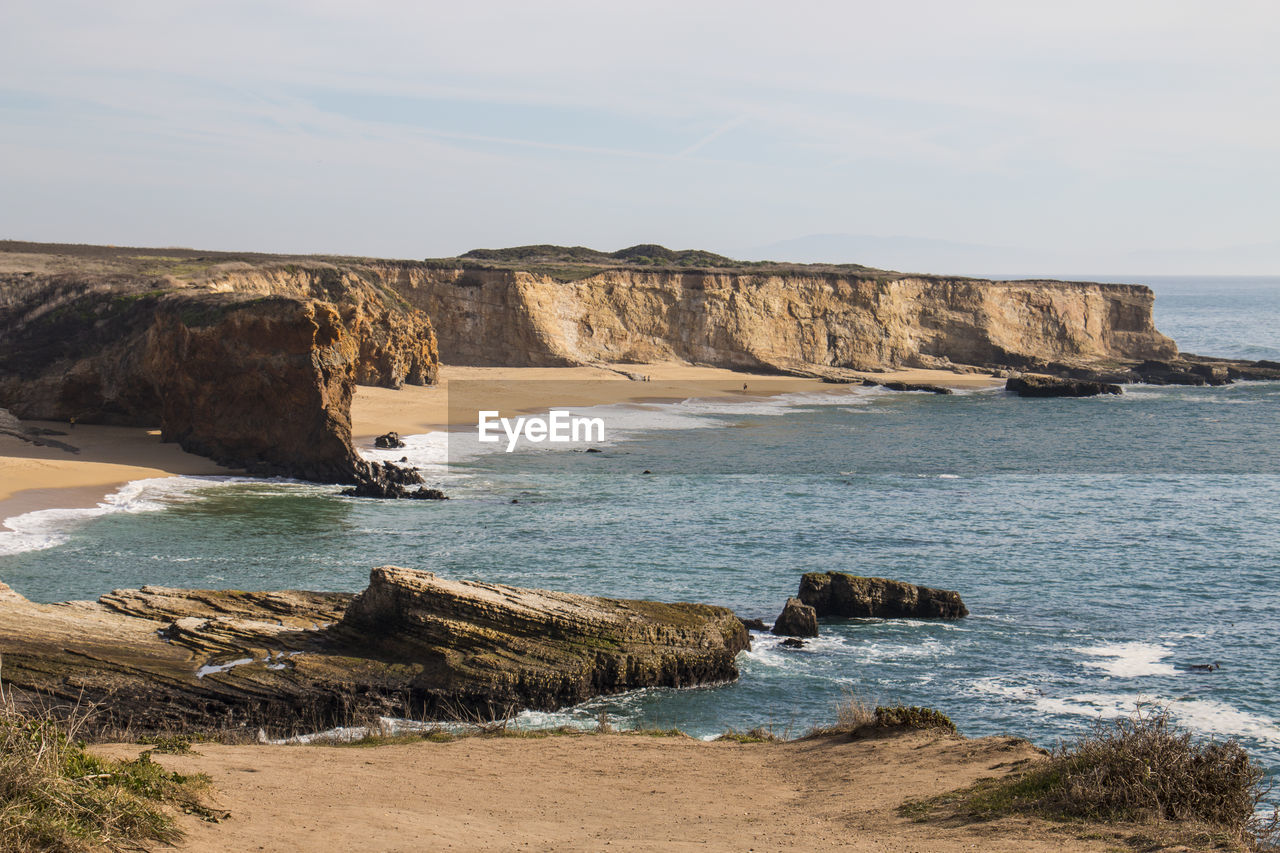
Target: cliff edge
[
  {"x": 252, "y": 365},
  {"x": 547, "y": 305}
]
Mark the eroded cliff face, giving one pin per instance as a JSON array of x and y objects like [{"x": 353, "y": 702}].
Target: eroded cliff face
[
  {"x": 785, "y": 322},
  {"x": 254, "y": 368}
]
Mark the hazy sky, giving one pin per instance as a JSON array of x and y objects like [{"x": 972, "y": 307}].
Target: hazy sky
[{"x": 1085, "y": 129}]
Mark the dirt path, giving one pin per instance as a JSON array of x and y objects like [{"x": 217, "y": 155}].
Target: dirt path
[{"x": 623, "y": 792}]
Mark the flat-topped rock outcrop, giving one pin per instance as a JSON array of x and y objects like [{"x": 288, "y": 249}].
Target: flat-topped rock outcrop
[
  {"x": 843, "y": 595},
  {"x": 1052, "y": 386},
  {"x": 792, "y": 320},
  {"x": 411, "y": 645}
]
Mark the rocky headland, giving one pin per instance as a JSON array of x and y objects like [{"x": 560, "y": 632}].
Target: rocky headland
[
  {"x": 251, "y": 360},
  {"x": 411, "y": 645},
  {"x": 253, "y": 366}
]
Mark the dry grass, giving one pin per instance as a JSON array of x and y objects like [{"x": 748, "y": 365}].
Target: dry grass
[
  {"x": 56, "y": 797},
  {"x": 1141, "y": 770},
  {"x": 858, "y": 717}
]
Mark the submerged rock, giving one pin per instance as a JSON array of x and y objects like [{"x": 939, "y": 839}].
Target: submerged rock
[
  {"x": 843, "y": 595},
  {"x": 411, "y": 645},
  {"x": 796, "y": 620},
  {"x": 1048, "y": 386}
]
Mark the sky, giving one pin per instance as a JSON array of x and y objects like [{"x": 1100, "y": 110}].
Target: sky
[{"x": 1126, "y": 135}]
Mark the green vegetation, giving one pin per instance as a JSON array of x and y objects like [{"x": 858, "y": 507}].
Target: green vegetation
[
  {"x": 572, "y": 263},
  {"x": 57, "y": 796},
  {"x": 759, "y": 734},
  {"x": 1138, "y": 770},
  {"x": 858, "y": 718}
]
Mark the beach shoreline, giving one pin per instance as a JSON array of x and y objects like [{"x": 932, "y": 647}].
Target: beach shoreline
[{"x": 34, "y": 478}]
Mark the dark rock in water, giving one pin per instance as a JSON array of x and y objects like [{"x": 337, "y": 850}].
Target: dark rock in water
[
  {"x": 1047, "y": 386},
  {"x": 753, "y": 624},
  {"x": 646, "y": 471},
  {"x": 594, "y": 450},
  {"x": 914, "y": 386},
  {"x": 1204, "y": 667},
  {"x": 796, "y": 620},
  {"x": 385, "y": 480},
  {"x": 792, "y": 643},
  {"x": 1169, "y": 373},
  {"x": 425, "y": 494},
  {"x": 843, "y": 595},
  {"x": 411, "y": 645},
  {"x": 390, "y": 441}
]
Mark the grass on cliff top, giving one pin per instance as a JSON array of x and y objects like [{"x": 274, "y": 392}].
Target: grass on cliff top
[
  {"x": 1140, "y": 770},
  {"x": 572, "y": 263},
  {"x": 56, "y": 796}
]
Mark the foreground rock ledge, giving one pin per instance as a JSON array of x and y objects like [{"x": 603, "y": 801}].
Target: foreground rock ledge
[
  {"x": 411, "y": 645},
  {"x": 846, "y": 596}
]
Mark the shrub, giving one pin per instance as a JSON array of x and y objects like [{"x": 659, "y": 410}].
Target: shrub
[
  {"x": 912, "y": 717},
  {"x": 857, "y": 717},
  {"x": 1141, "y": 769},
  {"x": 759, "y": 734}
]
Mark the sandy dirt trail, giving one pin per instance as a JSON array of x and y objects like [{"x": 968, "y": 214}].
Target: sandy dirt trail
[{"x": 598, "y": 792}]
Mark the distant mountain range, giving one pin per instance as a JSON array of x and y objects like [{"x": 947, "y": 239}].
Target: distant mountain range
[{"x": 924, "y": 255}]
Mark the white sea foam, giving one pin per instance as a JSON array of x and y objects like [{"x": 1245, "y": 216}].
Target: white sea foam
[
  {"x": 1128, "y": 660},
  {"x": 428, "y": 451},
  {"x": 1204, "y": 716},
  {"x": 994, "y": 686},
  {"x": 627, "y": 420},
  {"x": 211, "y": 668},
  {"x": 47, "y": 528}
]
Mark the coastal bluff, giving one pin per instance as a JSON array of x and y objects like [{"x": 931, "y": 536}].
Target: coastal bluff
[
  {"x": 253, "y": 366},
  {"x": 542, "y": 306},
  {"x": 412, "y": 645}
]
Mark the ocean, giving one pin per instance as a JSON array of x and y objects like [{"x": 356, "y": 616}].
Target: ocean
[{"x": 1104, "y": 546}]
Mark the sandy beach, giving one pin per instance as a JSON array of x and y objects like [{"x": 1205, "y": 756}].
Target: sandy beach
[
  {"x": 34, "y": 477},
  {"x": 596, "y": 792}
]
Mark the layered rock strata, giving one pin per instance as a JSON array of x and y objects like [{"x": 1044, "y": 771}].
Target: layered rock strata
[
  {"x": 255, "y": 369},
  {"x": 794, "y": 321},
  {"x": 411, "y": 645}
]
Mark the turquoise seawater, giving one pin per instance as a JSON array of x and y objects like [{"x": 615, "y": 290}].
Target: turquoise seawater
[{"x": 1103, "y": 545}]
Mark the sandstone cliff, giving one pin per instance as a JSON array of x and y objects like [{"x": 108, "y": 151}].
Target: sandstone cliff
[
  {"x": 411, "y": 645},
  {"x": 794, "y": 320},
  {"x": 253, "y": 366}
]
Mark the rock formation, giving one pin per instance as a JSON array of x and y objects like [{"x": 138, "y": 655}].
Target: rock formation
[
  {"x": 795, "y": 320},
  {"x": 796, "y": 620},
  {"x": 503, "y": 645},
  {"x": 843, "y": 595},
  {"x": 1052, "y": 386},
  {"x": 252, "y": 367},
  {"x": 389, "y": 441},
  {"x": 411, "y": 645}
]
